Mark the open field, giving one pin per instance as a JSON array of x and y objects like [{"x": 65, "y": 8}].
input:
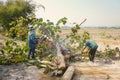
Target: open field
[{"x": 103, "y": 37}]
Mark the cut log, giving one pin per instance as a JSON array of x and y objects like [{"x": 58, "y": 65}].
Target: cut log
[
  {"x": 69, "y": 73},
  {"x": 67, "y": 57},
  {"x": 44, "y": 66},
  {"x": 74, "y": 55},
  {"x": 47, "y": 63},
  {"x": 60, "y": 57}
]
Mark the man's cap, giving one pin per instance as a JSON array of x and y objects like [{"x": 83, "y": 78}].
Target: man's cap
[{"x": 31, "y": 27}]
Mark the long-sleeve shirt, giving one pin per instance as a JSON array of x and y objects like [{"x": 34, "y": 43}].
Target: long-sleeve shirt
[{"x": 31, "y": 40}]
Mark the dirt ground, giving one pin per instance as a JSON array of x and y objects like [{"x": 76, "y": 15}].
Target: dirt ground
[{"x": 97, "y": 71}]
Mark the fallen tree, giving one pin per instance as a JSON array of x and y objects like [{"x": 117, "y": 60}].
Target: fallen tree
[{"x": 58, "y": 64}]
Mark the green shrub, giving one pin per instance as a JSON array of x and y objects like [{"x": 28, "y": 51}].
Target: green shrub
[{"x": 12, "y": 53}]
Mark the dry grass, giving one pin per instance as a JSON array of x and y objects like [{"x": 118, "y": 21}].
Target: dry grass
[{"x": 103, "y": 37}]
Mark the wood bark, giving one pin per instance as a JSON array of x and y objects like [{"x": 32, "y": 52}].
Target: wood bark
[
  {"x": 44, "y": 66},
  {"x": 60, "y": 57},
  {"x": 47, "y": 63},
  {"x": 69, "y": 73}
]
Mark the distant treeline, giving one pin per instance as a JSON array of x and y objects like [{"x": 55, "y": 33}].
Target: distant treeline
[
  {"x": 103, "y": 27},
  {"x": 68, "y": 27}
]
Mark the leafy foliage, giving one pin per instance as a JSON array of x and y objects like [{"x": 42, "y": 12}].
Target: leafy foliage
[
  {"x": 15, "y": 53},
  {"x": 51, "y": 30},
  {"x": 19, "y": 29},
  {"x": 13, "y": 9},
  {"x": 12, "y": 53},
  {"x": 76, "y": 39},
  {"x": 108, "y": 52}
]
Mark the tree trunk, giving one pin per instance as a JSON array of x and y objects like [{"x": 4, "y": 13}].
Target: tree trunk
[
  {"x": 69, "y": 73},
  {"x": 47, "y": 63},
  {"x": 60, "y": 57}
]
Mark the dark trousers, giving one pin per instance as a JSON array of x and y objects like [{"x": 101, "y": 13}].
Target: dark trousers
[
  {"x": 31, "y": 51},
  {"x": 92, "y": 54}
]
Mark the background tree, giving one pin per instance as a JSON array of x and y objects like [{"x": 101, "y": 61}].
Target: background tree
[{"x": 11, "y": 10}]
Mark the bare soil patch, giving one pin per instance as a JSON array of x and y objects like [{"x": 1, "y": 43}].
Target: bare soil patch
[{"x": 97, "y": 71}]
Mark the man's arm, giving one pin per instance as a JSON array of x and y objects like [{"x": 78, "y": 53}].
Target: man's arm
[{"x": 81, "y": 51}]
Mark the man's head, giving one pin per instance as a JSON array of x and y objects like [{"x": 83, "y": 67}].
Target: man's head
[{"x": 31, "y": 28}]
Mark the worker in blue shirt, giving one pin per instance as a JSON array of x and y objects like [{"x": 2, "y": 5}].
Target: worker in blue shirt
[
  {"x": 92, "y": 45},
  {"x": 31, "y": 42}
]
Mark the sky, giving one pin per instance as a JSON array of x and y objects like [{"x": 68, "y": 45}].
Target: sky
[{"x": 97, "y": 12}]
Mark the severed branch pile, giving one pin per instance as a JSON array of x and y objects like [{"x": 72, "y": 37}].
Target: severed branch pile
[{"x": 59, "y": 63}]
